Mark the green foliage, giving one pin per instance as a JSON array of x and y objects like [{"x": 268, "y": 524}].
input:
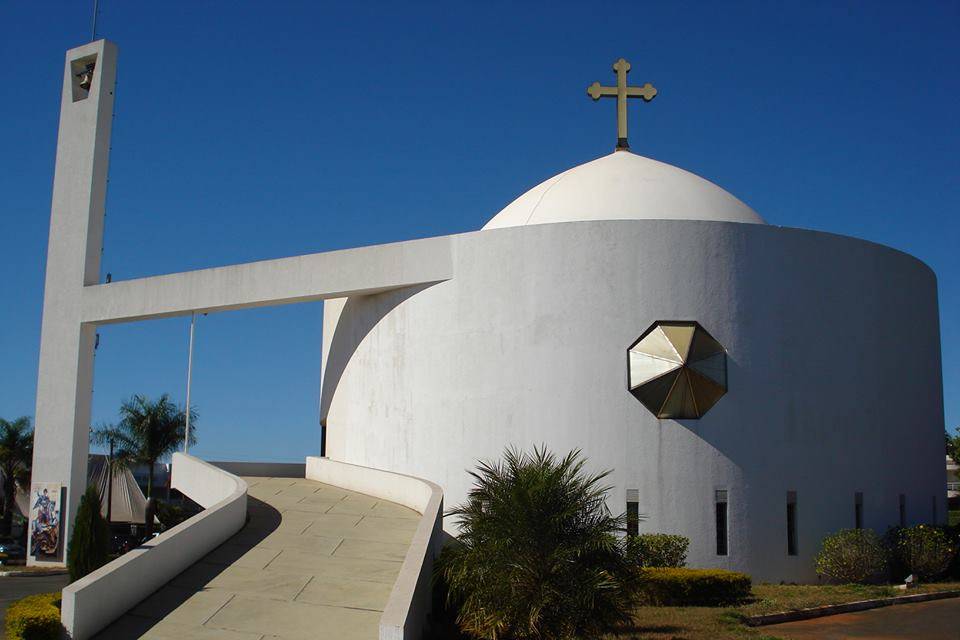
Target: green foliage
[
  {"x": 923, "y": 550},
  {"x": 16, "y": 456},
  {"x": 35, "y": 618},
  {"x": 148, "y": 431},
  {"x": 90, "y": 541},
  {"x": 682, "y": 587},
  {"x": 852, "y": 555},
  {"x": 953, "y": 445},
  {"x": 170, "y": 515},
  {"x": 539, "y": 554},
  {"x": 657, "y": 550}
]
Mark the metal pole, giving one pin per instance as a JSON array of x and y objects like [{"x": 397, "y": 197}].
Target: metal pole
[
  {"x": 93, "y": 29},
  {"x": 186, "y": 440},
  {"x": 110, "y": 483}
]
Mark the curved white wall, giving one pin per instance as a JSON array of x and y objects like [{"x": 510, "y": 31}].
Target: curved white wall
[
  {"x": 96, "y": 600},
  {"x": 834, "y": 375},
  {"x": 410, "y": 599}
]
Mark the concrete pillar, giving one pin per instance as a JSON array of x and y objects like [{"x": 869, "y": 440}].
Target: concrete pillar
[{"x": 65, "y": 381}]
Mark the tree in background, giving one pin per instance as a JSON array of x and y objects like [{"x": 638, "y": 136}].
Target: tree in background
[
  {"x": 148, "y": 431},
  {"x": 953, "y": 445},
  {"x": 539, "y": 555},
  {"x": 16, "y": 457},
  {"x": 90, "y": 541}
]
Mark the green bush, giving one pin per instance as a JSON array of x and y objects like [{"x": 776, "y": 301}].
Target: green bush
[
  {"x": 539, "y": 555},
  {"x": 657, "y": 550},
  {"x": 35, "y": 618},
  {"x": 852, "y": 555},
  {"x": 90, "y": 541},
  {"x": 923, "y": 550},
  {"x": 681, "y": 587}
]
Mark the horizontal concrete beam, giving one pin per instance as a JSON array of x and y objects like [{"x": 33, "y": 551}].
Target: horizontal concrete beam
[{"x": 317, "y": 276}]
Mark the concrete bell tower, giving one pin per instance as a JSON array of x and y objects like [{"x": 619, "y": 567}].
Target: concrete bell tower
[{"x": 65, "y": 381}]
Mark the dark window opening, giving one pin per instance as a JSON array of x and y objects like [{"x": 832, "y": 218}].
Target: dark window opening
[
  {"x": 721, "y": 503},
  {"x": 791, "y": 523},
  {"x": 858, "y": 510},
  {"x": 633, "y": 512}
]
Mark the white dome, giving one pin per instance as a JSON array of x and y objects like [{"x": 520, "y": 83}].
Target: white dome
[{"x": 623, "y": 186}]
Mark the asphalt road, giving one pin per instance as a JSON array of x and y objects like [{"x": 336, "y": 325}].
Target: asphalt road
[
  {"x": 936, "y": 620},
  {"x": 14, "y": 588}
]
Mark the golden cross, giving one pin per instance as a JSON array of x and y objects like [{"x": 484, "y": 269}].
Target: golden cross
[{"x": 622, "y": 92}]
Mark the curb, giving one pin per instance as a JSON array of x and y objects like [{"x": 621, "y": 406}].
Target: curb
[
  {"x": 833, "y": 609},
  {"x": 19, "y": 574}
]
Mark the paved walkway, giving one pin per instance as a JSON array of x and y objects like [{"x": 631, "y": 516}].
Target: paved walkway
[
  {"x": 314, "y": 561},
  {"x": 16, "y": 587},
  {"x": 935, "y": 620}
]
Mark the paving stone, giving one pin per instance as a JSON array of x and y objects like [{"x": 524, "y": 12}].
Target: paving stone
[
  {"x": 353, "y": 548},
  {"x": 393, "y": 510},
  {"x": 333, "y": 567},
  {"x": 185, "y": 606},
  {"x": 313, "y": 545},
  {"x": 241, "y": 555},
  {"x": 359, "y": 594},
  {"x": 296, "y": 620}
]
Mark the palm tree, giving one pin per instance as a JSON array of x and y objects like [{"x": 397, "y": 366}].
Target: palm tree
[
  {"x": 148, "y": 430},
  {"x": 539, "y": 554},
  {"x": 16, "y": 457}
]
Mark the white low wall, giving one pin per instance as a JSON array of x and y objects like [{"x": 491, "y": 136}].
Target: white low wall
[
  {"x": 93, "y": 602},
  {"x": 410, "y": 599}
]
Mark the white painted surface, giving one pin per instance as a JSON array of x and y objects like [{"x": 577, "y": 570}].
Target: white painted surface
[
  {"x": 834, "y": 376},
  {"x": 306, "y": 278},
  {"x": 623, "y": 186},
  {"x": 410, "y": 600},
  {"x": 93, "y": 602},
  {"x": 65, "y": 378}
]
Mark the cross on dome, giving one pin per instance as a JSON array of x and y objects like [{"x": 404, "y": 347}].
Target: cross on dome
[{"x": 621, "y": 92}]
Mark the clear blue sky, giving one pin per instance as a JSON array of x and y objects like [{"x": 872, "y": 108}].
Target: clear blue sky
[{"x": 257, "y": 130}]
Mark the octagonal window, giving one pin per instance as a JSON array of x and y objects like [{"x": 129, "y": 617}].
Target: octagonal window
[{"x": 677, "y": 370}]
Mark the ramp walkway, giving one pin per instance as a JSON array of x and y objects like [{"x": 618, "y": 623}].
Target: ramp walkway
[{"x": 314, "y": 561}]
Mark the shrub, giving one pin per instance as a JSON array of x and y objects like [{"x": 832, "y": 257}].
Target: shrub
[
  {"x": 90, "y": 540},
  {"x": 852, "y": 555},
  {"x": 35, "y": 618},
  {"x": 657, "y": 550},
  {"x": 539, "y": 554},
  {"x": 678, "y": 587},
  {"x": 923, "y": 550}
]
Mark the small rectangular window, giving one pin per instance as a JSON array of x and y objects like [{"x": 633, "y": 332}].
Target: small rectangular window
[
  {"x": 858, "y": 510},
  {"x": 721, "y": 505},
  {"x": 903, "y": 510},
  {"x": 633, "y": 512},
  {"x": 791, "y": 523}
]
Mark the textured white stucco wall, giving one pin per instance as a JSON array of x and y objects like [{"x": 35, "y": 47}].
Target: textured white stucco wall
[{"x": 834, "y": 375}]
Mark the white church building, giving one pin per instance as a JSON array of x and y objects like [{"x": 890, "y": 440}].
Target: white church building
[{"x": 751, "y": 387}]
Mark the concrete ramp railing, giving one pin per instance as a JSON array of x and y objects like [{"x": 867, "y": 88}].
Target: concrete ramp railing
[
  {"x": 93, "y": 602},
  {"x": 410, "y": 599}
]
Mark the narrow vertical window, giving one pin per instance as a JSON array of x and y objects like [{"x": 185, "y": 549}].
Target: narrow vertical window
[
  {"x": 791, "y": 523},
  {"x": 721, "y": 504},
  {"x": 633, "y": 512},
  {"x": 903, "y": 510},
  {"x": 858, "y": 510}
]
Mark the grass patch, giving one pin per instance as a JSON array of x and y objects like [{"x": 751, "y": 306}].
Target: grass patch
[{"x": 726, "y": 623}]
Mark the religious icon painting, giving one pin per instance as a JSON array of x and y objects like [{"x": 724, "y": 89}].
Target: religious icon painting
[{"x": 45, "y": 510}]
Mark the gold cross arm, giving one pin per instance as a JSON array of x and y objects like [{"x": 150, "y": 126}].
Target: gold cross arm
[{"x": 622, "y": 92}]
